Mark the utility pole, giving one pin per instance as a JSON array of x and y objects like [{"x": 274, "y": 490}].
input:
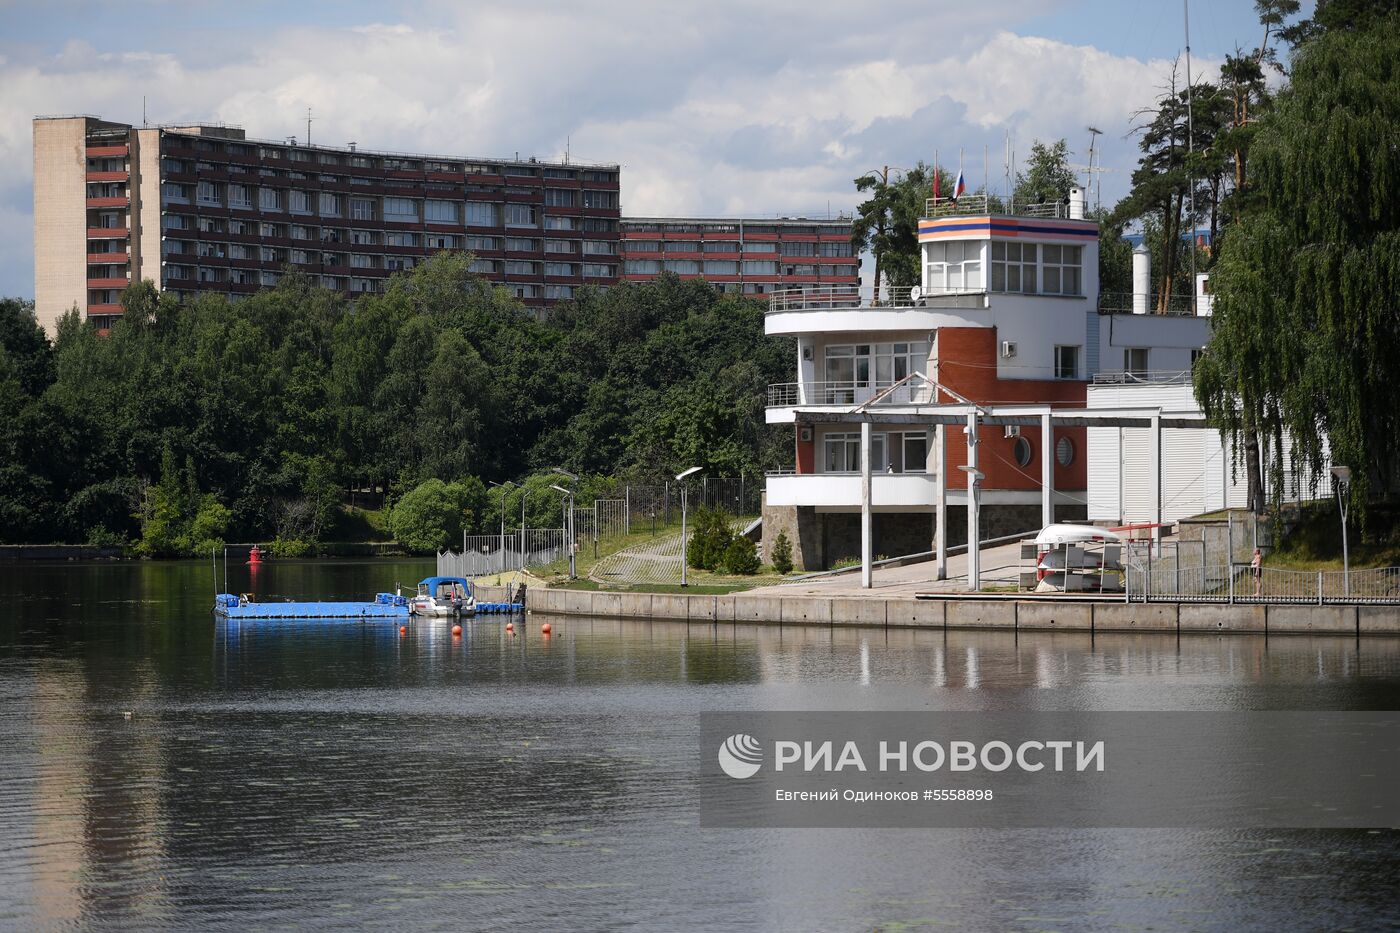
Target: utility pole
[{"x": 1190, "y": 150}]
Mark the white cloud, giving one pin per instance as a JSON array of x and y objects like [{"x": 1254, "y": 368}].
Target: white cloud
[{"x": 737, "y": 109}]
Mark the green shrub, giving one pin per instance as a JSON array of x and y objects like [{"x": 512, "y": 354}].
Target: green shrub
[
  {"x": 782, "y": 553},
  {"x": 741, "y": 557},
  {"x": 710, "y": 540},
  {"x": 289, "y": 547}
]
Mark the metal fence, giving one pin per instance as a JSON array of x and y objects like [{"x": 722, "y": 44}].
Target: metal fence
[
  {"x": 487, "y": 554},
  {"x": 1172, "y": 580},
  {"x": 659, "y": 505}
]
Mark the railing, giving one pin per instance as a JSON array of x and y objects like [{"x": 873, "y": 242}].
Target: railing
[
  {"x": 972, "y": 204},
  {"x": 1167, "y": 580},
  {"x": 1125, "y": 302},
  {"x": 788, "y": 394},
  {"x": 838, "y": 297},
  {"x": 1164, "y": 377}
]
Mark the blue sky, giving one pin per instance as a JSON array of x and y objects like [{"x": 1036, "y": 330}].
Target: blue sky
[{"x": 726, "y": 107}]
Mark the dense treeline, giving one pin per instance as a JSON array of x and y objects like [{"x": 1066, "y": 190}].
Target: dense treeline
[{"x": 200, "y": 419}]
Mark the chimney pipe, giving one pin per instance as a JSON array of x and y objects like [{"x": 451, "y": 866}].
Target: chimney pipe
[{"x": 1142, "y": 278}]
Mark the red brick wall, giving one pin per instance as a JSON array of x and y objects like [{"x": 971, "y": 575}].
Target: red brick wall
[{"x": 967, "y": 364}]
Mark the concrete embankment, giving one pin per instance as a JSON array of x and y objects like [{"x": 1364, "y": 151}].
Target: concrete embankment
[{"x": 1002, "y": 614}]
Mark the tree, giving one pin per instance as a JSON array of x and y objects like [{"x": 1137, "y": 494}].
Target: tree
[
  {"x": 782, "y": 553},
  {"x": 433, "y": 515},
  {"x": 1305, "y": 331},
  {"x": 710, "y": 540},
  {"x": 1048, "y": 177},
  {"x": 741, "y": 557},
  {"x": 887, "y": 223}
]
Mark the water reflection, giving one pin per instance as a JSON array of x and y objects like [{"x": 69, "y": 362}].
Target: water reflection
[{"x": 332, "y": 774}]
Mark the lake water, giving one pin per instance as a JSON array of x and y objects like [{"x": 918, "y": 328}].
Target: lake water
[{"x": 338, "y": 775}]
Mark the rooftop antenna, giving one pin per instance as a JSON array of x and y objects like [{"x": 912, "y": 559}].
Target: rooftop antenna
[
  {"x": 1190, "y": 150},
  {"x": 352, "y": 145},
  {"x": 567, "y": 141},
  {"x": 308, "y": 126},
  {"x": 144, "y": 121}
]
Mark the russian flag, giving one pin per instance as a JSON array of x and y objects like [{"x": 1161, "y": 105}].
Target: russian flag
[{"x": 959, "y": 186}]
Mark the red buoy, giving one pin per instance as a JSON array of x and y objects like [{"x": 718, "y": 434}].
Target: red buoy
[
  {"x": 456, "y": 630},
  {"x": 255, "y": 555},
  {"x": 510, "y": 626},
  {"x": 403, "y": 629},
  {"x": 545, "y": 629}
]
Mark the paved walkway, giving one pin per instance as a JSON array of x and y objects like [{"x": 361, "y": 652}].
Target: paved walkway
[{"x": 1001, "y": 565}]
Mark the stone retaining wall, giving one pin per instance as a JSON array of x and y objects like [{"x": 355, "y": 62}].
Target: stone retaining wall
[{"x": 1003, "y": 614}]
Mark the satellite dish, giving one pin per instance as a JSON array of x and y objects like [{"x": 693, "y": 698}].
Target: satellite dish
[{"x": 915, "y": 293}]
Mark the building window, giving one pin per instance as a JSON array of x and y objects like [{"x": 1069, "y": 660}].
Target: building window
[
  {"x": 559, "y": 223},
  {"x": 174, "y": 192},
  {"x": 558, "y": 292},
  {"x": 759, "y": 267},
  {"x": 598, "y": 225},
  {"x": 207, "y": 194},
  {"x": 597, "y": 247},
  {"x": 1021, "y": 450},
  {"x": 556, "y": 197},
  {"x": 240, "y": 196},
  {"x": 361, "y": 209},
  {"x": 600, "y": 199},
  {"x": 440, "y": 212},
  {"x": 850, "y": 367},
  {"x": 559, "y": 268},
  {"x": 643, "y": 246},
  {"x": 517, "y": 244},
  {"x": 269, "y": 278},
  {"x": 269, "y": 200},
  {"x": 400, "y": 238},
  {"x": 481, "y": 214},
  {"x": 841, "y": 453},
  {"x": 482, "y": 266},
  {"x": 299, "y": 202},
  {"x": 521, "y": 215},
  {"x": 1059, "y": 272},
  {"x": 523, "y": 291},
  {"x": 799, "y": 248},
  {"x": 483, "y": 242},
  {"x": 721, "y": 246},
  {"x": 1066, "y": 362},
  {"x": 598, "y": 270},
  {"x": 760, "y": 247},
  {"x": 520, "y": 267},
  {"x": 683, "y": 266},
  {"x": 834, "y": 249},
  {"x": 559, "y": 246},
  {"x": 721, "y": 267},
  {"x": 1014, "y": 267},
  {"x": 953, "y": 267},
  {"x": 1064, "y": 451},
  {"x": 642, "y": 266},
  {"x": 1135, "y": 361},
  {"x": 400, "y": 210},
  {"x": 361, "y": 261},
  {"x": 443, "y": 241}
]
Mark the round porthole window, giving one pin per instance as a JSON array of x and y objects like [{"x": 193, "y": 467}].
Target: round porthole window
[
  {"x": 1022, "y": 451},
  {"x": 1064, "y": 452}
]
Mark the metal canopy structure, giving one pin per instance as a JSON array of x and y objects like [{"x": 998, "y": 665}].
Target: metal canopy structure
[{"x": 972, "y": 415}]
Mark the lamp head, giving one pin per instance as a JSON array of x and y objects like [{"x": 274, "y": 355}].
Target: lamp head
[
  {"x": 560, "y": 489},
  {"x": 690, "y": 472},
  {"x": 563, "y": 472},
  {"x": 1343, "y": 473}
]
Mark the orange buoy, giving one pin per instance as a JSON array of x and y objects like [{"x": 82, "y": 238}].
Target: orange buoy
[
  {"x": 403, "y": 629},
  {"x": 510, "y": 626},
  {"x": 545, "y": 629},
  {"x": 456, "y": 630}
]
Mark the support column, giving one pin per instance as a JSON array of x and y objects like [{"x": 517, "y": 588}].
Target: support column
[
  {"x": 974, "y": 538},
  {"x": 1156, "y": 431},
  {"x": 1047, "y": 471},
  {"x": 866, "y": 531},
  {"x": 940, "y": 534}
]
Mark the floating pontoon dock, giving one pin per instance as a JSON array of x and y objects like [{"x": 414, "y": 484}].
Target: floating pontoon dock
[{"x": 386, "y": 607}]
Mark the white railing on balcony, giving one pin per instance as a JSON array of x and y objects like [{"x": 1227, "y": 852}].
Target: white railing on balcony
[
  {"x": 847, "y": 297},
  {"x": 790, "y": 394},
  {"x": 970, "y": 204},
  {"x": 1126, "y": 377},
  {"x": 1128, "y": 303}
]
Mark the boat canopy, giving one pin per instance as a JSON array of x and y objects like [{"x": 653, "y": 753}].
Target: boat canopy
[
  {"x": 432, "y": 583},
  {"x": 1060, "y": 534}
]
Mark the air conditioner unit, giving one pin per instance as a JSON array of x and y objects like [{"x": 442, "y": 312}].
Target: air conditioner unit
[
  {"x": 807, "y": 353},
  {"x": 1013, "y": 430},
  {"x": 804, "y": 435},
  {"x": 1008, "y": 349}
]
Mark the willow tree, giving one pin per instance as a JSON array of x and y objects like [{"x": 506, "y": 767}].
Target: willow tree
[{"x": 1305, "y": 347}]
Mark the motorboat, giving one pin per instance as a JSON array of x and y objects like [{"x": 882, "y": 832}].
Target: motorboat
[{"x": 443, "y": 596}]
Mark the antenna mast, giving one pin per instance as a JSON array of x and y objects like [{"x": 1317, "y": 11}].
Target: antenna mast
[
  {"x": 1190, "y": 151},
  {"x": 308, "y": 126}
]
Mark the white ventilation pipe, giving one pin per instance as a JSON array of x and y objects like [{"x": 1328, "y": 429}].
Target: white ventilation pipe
[
  {"x": 1078, "y": 203},
  {"x": 1142, "y": 278}
]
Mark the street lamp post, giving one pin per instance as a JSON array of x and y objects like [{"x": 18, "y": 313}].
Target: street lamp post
[
  {"x": 502, "y": 545},
  {"x": 567, "y": 498},
  {"x": 974, "y": 534},
  {"x": 680, "y": 478},
  {"x": 1342, "y": 475}
]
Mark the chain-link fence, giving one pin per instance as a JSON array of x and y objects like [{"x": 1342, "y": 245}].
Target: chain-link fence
[{"x": 1166, "y": 577}]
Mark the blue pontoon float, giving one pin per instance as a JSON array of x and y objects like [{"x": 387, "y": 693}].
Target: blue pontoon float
[{"x": 386, "y": 607}]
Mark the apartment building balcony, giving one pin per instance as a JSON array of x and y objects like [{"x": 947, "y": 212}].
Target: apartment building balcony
[
  {"x": 115, "y": 257},
  {"x": 843, "y": 490},
  {"x": 109, "y": 282},
  {"x": 118, "y": 201},
  {"x": 832, "y": 308},
  {"x": 108, "y": 176},
  {"x": 107, "y": 151},
  {"x": 843, "y": 395},
  {"x": 108, "y": 233},
  {"x": 96, "y": 309}
]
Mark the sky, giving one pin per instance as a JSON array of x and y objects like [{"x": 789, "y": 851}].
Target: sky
[{"x": 719, "y": 108}]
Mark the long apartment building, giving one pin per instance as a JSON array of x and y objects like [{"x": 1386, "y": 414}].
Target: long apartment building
[
  {"x": 203, "y": 208},
  {"x": 742, "y": 256}
]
